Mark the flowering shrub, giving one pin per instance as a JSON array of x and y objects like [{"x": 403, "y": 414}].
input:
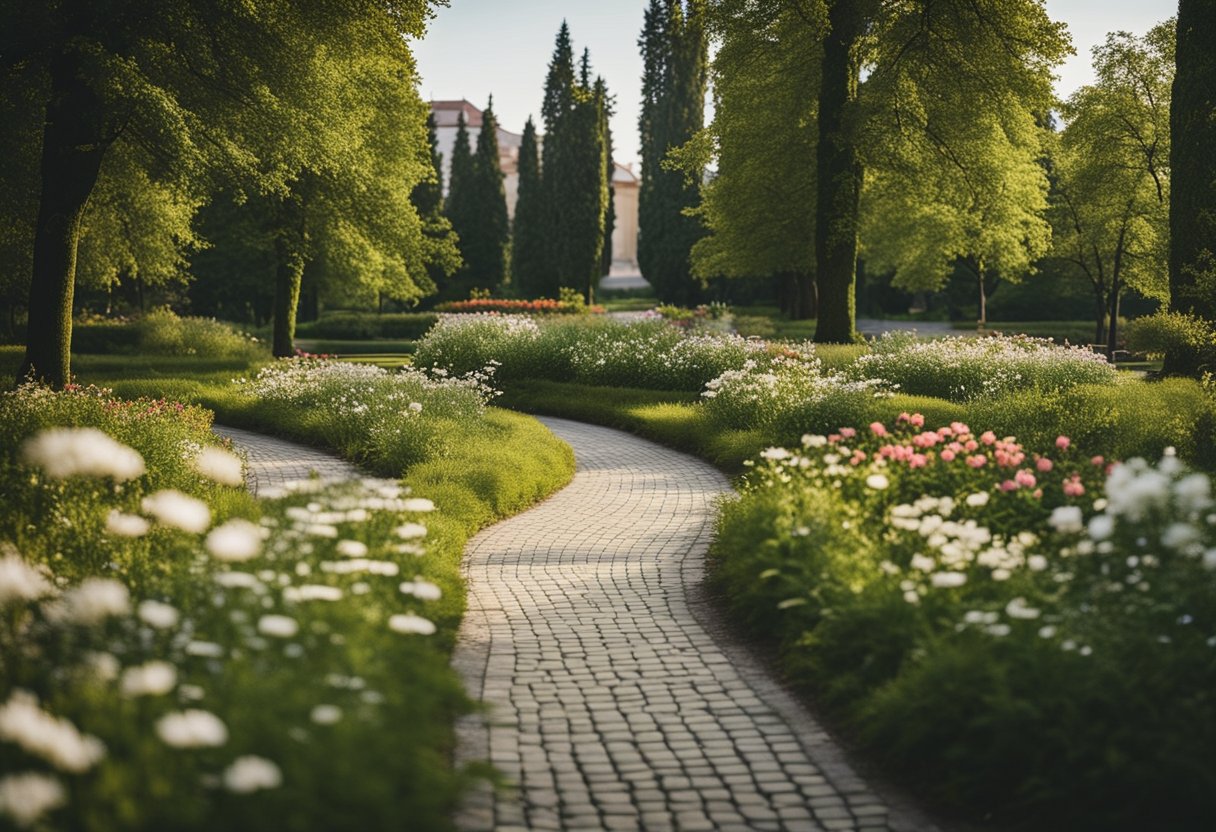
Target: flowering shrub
[
  {"x": 209, "y": 683},
  {"x": 390, "y": 419},
  {"x": 961, "y": 369},
  {"x": 1015, "y": 626},
  {"x": 465, "y": 343},
  {"x": 785, "y": 390}
]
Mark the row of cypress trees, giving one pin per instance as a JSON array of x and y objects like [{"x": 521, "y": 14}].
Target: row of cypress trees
[{"x": 563, "y": 214}]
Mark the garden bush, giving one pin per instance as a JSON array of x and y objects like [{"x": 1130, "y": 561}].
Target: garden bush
[
  {"x": 1025, "y": 631},
  {"x": 360, "y": 326},
  {"x": 175, "y": 655},
  {"x": 163, "y": 332},
  {"x": 963, "y": 369}
]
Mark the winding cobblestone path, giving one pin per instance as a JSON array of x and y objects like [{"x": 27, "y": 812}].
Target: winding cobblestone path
[
  {"x": 616, "y": 699},
  {"x": 274, "y": 462}
]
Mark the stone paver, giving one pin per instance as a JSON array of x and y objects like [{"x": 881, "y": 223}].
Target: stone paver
[
  {"x": 276, "y": 462},
  {"x": 617, "y": 699}
]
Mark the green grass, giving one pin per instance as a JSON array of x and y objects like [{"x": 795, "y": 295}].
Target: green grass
[
  {"x": 1074, "y": 332},
  {"x": 364, "y": 346}
]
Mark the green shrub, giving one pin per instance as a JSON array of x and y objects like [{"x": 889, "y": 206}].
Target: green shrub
[
  {"x": 162, "y": 332},
  {"x": 963, "y": 369},
  {"x": 1191, "y": 336},
  {"x": 360, "y": 326},
  {"x": 1018, "y": 635}
]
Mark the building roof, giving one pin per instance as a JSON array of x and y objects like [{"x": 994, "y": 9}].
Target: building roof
[{"x": 447, "y": 113}]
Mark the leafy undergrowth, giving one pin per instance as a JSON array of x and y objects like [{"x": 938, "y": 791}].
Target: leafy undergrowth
[
  {"x": 1017, "y": 635},
  {"x": 205, "y": 660}
]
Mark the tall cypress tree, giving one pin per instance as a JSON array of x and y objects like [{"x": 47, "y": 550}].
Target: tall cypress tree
[
  {"x": 485, "y": 241},
  {"x": 555, "y": 112},
  {"x": 674, "y": 52},
  {"x": 427, "y": 198},
  {"x": 609, "y": 167},
  {"x": 528, "y": 240},
  {"x": 460, "y": 209}
]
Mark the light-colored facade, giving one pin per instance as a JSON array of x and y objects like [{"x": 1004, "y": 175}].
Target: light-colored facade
[{"x": 624, "y": 180}]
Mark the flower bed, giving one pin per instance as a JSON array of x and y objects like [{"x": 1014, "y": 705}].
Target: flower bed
[
  {"x": 1019, "y": 633},
  {"x": 542, "y": 306},
  {"x": 962, "y": 369}
]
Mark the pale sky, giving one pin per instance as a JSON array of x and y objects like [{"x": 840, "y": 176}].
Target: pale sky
[{"x": 478, "y": 47}]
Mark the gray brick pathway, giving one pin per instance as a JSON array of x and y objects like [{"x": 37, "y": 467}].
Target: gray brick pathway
[
  {"x": 616, "y": 698},
  {"x": 273, "y": 462}
]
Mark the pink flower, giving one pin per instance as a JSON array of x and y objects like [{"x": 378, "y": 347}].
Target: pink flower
[
  {"x": 1024, "y": 478},
  {"x": 970, "y": 445},
  {"x": 918, "y": 461},
  {"x": 903, "y": 417},
  {"x": 1098, "y": 461},
  {"x": 916, "y": 420},
  {"x": 988, "y": 437},
  {"x": 947, "y": 455},
  {"x": 1073, "y": 487},
  {"x": 926, "y": 440},
  {"x": 1043, "y": 464},
  {"x": 959, "y": 428},
  {"x": 977, "y": 461},
  {"x": 878, "y": 428},
  {"x": 945, "y": 431},
  {"x": 1038, "y": 493},
  {"x": 848, "y": 433},
  {"x": 1009, "y": 485},
  {"x": 1063, "y": 442},
  {"x": 833, "y": 438}
]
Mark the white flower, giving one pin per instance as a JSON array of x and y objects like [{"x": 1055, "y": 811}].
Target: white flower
[
  {"x": 251, "y": 773},
  {"x": 410, "y": 623},
  {"x": 312, "y": 592},
  {"x": 417, "y": 504},
  {"x": 1194, "y": 493},
  {"x": 1036, "y": 563},
  {"x": 176, "y": 510},
  {"x": 998, "y": 630},
  {"x": 1047, "y": 631},
  {"x": 947, "y": 579},
  {"x": 814, "y": 440},
  {"x": 924, "y": 564},
  {"x": 103, "y": 666},
  {"x": 877, "y": 481},
  {"x": 44, "y": 735},
  {"x": 235, "y": 541},
  {"x": 350, "y": 567},
  {"x": 126, "y": 525},
  {"x": 1066, "y": 520},
  {"x": 92, "y": 602},
  {"x": 219, "y": 465},
  {"x": 205, "y": 649},
  {"x": 351, "y": 548},
  {"x": 279, "y": 626},
  {"x": 978, "y": 499},
  {"x": 1101, "y": 526},
  {"x": 326, "y": 714},
  {"x": 775, "y": 454},
  {"x": 423, "y": 590},
  {"x": 1179, "y": 536},
  {"x": 191, "y": 728},
  {"x": 238, "y": 580},
  {"x": 66, "y": 452},
  {"x": 1017, "y": 608},
  {"x": 416, "y": 407},
  {"x": 21, "y": 582},
  {"x": 27, "y": 797},
  {"x": 410, "y": 531},
  {"x": 158, "y": 615},
  {"x": 152, "y": 679}
]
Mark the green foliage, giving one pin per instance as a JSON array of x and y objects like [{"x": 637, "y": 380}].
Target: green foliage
[
  {"x": 972, "y": 636},
  {"x": 963, "y": 369},
  {"x": 484, "y": 230},
  {"x": 674, "y": 49},
  {"x": 365, "y": 325},
  {"x": 528, "y": 244},
  {"x": 1188, "y": 338},
  {"x": 1192, "y": 255},
  {"x": 1111, "y": 202}
]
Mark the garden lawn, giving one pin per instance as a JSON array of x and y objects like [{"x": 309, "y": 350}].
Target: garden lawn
[{"x": 242, "y": 664}]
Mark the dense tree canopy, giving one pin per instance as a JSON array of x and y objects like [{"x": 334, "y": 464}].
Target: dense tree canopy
[
  {"x": 1110, "y": 206},
  {"x": 674, "y": 73},
  {"x": 261, "y": 91},
  {"x": 528, "y": 232}
]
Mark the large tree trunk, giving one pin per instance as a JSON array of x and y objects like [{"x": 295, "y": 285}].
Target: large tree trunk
[
  {"x": 1112, "y": 332},
  {"x": 288, "y": 276},
  {"x": 839, "y": 171},
  {"x": 1100, "y": 317},
  {"x": 1193, "y": 172},
  {"x": 73, "y": 145}
]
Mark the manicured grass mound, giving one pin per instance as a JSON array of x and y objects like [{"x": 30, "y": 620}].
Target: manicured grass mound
[
  {"x": 162, "y": 332},
  {"x": 298, "y": 645},
  {"x": 1013, "y": 632},
  {"x": 358, "y": 326}
]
